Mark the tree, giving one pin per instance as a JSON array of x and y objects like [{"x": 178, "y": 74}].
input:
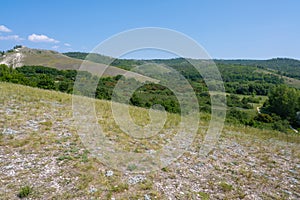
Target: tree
[
  {"x": 284, "y": 101},
  {"x": 45, "y": 82}
]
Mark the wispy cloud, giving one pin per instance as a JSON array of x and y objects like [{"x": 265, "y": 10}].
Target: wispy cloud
[
  {"x": 4, "y": 29},
  {"x": 11, "y": 37},
  {"x": 41, "y": 38},
  {"x": 67, "y": 44},
  {"x": 55, "y": 47}
]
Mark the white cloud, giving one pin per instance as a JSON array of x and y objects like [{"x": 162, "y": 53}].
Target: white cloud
[
  {"x": 55, "y": 47},
  {"x": 4, "y": 29},
  {"x": 67, "y": 44},
  {"x": 41, "y": 38},
  {"x": 11, "y": 37}
]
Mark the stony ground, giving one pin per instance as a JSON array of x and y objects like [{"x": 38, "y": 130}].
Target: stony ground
[{"x": 40, "y": 148}]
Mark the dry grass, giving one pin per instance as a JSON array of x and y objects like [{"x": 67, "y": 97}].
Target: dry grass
[{"x": 47, "y": 155}]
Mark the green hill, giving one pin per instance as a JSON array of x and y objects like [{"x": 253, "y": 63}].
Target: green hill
[
  {"x": 283, "y": 66},
  {"x": 44, "y": 153},
  {"x": 36, "y": 57},
  {"x": 242, "y": 83},
  {"x": 288, "y": 69}
]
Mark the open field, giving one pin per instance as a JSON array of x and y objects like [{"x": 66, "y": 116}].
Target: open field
[{"x": 40, "y": 148}]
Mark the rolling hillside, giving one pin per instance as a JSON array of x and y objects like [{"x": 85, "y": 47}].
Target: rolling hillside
[
  {"x": 283, "y": 66},
  {"x": 242, "y": 83},
  {"x": 34, "y": 57},
  {"x": 126, "y": 64},
  {"x": 43, "y": 155},
  {"x": 287, "y": 69}
]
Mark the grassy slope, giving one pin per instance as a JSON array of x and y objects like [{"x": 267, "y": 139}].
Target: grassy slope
[
  {"x": 48, "y": 155},
  {"x": 36, "y": 57}
]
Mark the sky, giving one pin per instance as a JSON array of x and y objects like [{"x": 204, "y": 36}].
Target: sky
[{"x": 227, "y": 29}]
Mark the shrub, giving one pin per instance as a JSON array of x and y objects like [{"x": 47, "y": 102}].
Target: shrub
[
  {"x": 282, "y": 125},
  {"x": 25, "y": 191},
  {"x": 237, "y": 116},
  {"x": 226, "y": 187},
  {"x": 204, "y": 195},
  {"x": 264, "y": 118}
]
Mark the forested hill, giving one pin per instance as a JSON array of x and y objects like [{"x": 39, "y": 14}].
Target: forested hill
[
  {"x": 283, "y": 66},
  {"x": 248, "y": 87}
]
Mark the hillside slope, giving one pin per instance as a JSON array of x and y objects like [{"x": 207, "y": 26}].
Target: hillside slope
[
  {"x": 285, "y": 66},
  {"x": 36, "y": 57},
  {"x": 126, "y": 64},
  {"x": 288, "y": 69},
  {"x": 40, "y": 148}
]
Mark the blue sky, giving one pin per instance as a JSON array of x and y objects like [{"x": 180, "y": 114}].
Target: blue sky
[{"x": 225, "y": 28}]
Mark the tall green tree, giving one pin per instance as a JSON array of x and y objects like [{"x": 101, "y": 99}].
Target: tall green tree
[{"x": 284, "y": 101}]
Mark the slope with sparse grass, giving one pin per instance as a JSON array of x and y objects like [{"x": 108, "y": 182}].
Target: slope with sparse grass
[{"x": 40, "y": 149}]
